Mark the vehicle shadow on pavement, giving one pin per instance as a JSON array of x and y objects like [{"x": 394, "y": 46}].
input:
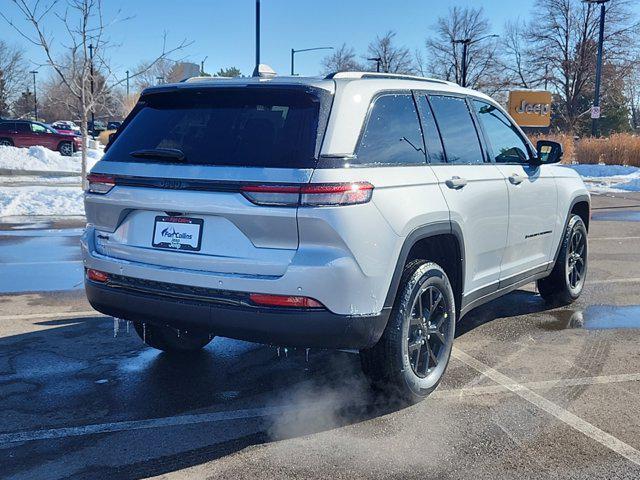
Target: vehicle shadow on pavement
[{"x": 516, "y": 303}]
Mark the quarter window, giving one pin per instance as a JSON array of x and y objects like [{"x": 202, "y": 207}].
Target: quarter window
[
  {"x": 506, "y": 144},
  {"x": 458, "y": 131},
  {"x": 392, "y": 135}
]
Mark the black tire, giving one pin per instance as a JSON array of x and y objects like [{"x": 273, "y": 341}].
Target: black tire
[
  {"x": 6, "y": 142},
  {"x": 65, "y": 149},
  {"x": 390, "y": 363},
  {"x": 170, "y": 340},
  {"x": 566, "y": 281}
]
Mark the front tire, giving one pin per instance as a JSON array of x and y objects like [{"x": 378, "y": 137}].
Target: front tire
[
  {"x": 171, "y": 340},
  {"x": 412, "y": 355},
  {"x": 5, "y": 142},
  {"x": 566, "y": 281}
]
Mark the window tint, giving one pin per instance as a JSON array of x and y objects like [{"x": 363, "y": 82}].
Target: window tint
[
  {"x": 392, "y": 134},
  {"x": 458, "y": 132},
  {"x": 23, "y": 127},
  {"x": 431, "y": 134},
  {"x": 264, "y": 127},
  {"x": 6, "y": 126},
  {"x": 505, "y": 142}
]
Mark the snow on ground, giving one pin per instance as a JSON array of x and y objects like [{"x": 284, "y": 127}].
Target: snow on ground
[
  {"x": 41, "y": 201},
  {"x": 609, "y": 178},
  {"x": 41, "y": 159}
]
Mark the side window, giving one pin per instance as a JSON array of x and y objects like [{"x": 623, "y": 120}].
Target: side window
[
  {"x": 35, "y": 128},
  {"x": 435, "y": 152},
  {"x": 22, "y": 128},
  {"x": 505, "y": 141},
  {"x": 392, "y": 135},
  {"x": 459, "y": 135}
]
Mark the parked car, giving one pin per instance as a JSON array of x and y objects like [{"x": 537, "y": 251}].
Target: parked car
[
  {"x": 361, "y": 211},
  {"x": 66, "y": 126},
  {"x": 96, "y": 128},
  {"x": 25, "y": 133},
  {"x": 113, "y": 125}
]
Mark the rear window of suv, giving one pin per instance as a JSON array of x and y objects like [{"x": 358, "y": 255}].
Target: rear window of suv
[{"x": 245, "y": 126}]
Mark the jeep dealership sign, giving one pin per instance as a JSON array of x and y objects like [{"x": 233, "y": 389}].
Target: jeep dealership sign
[{"x": 530, "y": 108}]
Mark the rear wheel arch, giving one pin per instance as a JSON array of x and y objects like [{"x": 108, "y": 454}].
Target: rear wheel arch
[
  {"x": 441, "y": 243},
  {"x": 6, "y": 141}
]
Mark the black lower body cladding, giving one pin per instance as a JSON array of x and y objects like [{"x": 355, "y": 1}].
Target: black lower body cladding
[{"x": 276, "y": 326}]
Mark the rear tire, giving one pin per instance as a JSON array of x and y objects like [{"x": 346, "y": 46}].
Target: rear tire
[
  {"x": 410, "y": 359},
  {"x": 566, "y": 281},
  {"x": 65, "y": 149},
  {"x": 171, "y": 340},
  {"x": 6, "y": 142}
]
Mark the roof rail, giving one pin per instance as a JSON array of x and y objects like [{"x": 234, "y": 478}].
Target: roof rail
[{"x": 395, "y": 76}]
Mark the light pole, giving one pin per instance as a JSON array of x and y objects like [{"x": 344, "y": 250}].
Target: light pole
[
  {"x": 595, "y": 110},
  {"x": 93, "y": 118},
  {"x": 378, "y": 61},
  {"x": 465, "y": 50},
  {"x": 294, "y": 51},
  {"x": 257, "y": 36},
  {"x": 35, "y": 95},
  {"x": 202, "y": 65}
]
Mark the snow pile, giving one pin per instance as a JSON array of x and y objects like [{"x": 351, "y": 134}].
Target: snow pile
[
  {"x": 609, "y": 178},
  {"x": 41, "y": 201},
  {"x": 41, "y": 159}
]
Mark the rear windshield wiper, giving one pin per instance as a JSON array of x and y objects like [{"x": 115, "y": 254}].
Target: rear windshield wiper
[{"x": 160, "y": 154}]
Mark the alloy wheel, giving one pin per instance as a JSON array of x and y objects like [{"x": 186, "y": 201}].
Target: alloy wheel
[
  {"x": 428, "y": 340},
  {"x": 576, "y": 259}
]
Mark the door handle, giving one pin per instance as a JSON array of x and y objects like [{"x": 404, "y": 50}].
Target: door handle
[
  {"x": 516, "y": 179},
  {"x": 456, "y": 183}
]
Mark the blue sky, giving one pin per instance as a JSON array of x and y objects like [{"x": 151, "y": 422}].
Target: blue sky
[{"x": 224, "y": 30}]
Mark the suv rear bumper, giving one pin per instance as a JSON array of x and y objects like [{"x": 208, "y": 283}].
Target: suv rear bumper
[{"x": 314, "y": 328}]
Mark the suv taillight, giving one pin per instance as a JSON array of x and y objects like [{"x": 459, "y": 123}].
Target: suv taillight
[
  {"x": 99, "y": 183},
  {"x": 310, "y": 195}
]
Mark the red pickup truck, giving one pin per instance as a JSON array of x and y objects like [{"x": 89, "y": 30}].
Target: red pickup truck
[{"x": 24, "y": 133}]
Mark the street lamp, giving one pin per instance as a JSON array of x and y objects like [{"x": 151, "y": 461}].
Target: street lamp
[
  {"x": 257, "y": 37},
  {"x": 378, "y": 61},
  {"x": 35, "y": 95},
  {"x": 465, "y": 50},
  {"x": 293, "y": 52},
  {"x": 595, "y": 110},
  {"x": 202, "y": 65}
]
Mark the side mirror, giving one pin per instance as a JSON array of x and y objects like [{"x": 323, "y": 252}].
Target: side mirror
[{"x": 548, "y": 152}]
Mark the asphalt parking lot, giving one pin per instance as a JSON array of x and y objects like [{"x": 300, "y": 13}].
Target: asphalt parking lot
[{"x": 531, "y": 392}]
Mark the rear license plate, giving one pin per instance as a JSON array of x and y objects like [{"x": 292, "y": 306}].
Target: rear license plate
[{"x": 178, "y": 233}]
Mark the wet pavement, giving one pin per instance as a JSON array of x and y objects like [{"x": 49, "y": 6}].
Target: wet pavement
[{"x": 531, "y": 391}]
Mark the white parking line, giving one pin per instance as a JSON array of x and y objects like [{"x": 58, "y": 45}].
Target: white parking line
[
  {"x": 32, "y": 316},
  {"x": 575, "y": 422},
  {"x": 615, "y": 280},
  {"x": 181, "y": 420},
  {"x": 591, "y": 239},
  {"x": 542, "y": 385}
]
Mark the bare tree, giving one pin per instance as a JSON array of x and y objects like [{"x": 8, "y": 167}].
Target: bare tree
[
  {"x": 13, "y": 76},
  {"x": 392, "y": 59},
  {"x": 342, "y": 59},
  {"x": 445, "y": 57},
  {"x": 84, "y": 51},
  {"x": 517, "y": 55},
  {"x": 564, "y": 41}
]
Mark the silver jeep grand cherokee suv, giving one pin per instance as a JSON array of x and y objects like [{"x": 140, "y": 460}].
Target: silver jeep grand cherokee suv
[{"x": 359, "y": 211}]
